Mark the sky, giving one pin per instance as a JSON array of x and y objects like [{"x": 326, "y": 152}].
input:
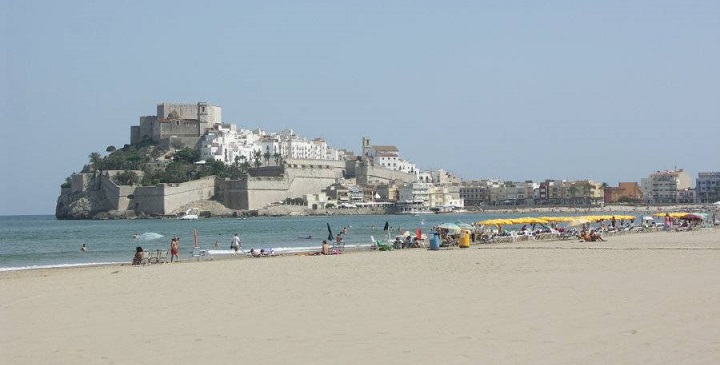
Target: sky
[{"x": 515, "y": 90}]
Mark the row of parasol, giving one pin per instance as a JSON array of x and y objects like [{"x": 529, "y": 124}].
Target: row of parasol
[{"x": 547, "y": 220}]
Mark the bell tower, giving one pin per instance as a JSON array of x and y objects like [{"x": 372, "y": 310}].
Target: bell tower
[{"x": 365, "y": 146}]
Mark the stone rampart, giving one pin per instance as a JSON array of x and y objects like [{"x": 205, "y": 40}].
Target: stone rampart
[
  {"x": 150, "y": 199},
  {"x": 119, "y": 197},
  {"x": 367, "y": 174},
  {"x": 301, "y": 177},
  {"x": 179, "y": 195},
  {"x": 83, "y": 182}
]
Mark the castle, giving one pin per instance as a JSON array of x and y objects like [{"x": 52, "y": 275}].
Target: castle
[
  {"x": 185, "y": 123},
  {"x": 95, "y": 192}
]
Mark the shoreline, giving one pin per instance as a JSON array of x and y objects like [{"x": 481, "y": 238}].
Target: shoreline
[
  {"x": 539, "y": 244},
  {"x": 291, "y": 210}
]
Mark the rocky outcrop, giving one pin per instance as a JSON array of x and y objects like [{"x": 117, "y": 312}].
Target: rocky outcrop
[{"x": 81, "y": 205}]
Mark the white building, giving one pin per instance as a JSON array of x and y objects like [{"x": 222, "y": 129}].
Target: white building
[
  {"x": 226, "y": 143},
  {"x": 388, "y": 157},
  {"x": 663, "y": 186}
]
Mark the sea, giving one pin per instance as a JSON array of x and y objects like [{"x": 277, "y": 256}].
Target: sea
[{"x": 41, "y": 241}]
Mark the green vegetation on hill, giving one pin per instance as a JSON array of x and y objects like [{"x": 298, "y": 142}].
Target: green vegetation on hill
[{"x": 164, "y": 166}]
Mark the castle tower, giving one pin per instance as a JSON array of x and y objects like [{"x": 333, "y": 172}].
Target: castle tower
[{"x": 203, "y": 114}]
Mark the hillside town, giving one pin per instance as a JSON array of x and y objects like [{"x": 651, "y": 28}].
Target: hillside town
[{"x": 284, "y": 167}]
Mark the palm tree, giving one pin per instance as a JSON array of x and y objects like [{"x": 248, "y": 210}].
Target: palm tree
[
  {"x": 243, "y": 164},
  {"x": 257, "y": 155},
  {"x": 277, "y": 158},
  {"x": 95, "y": 159},
  {"x": 266, "y": 156}
]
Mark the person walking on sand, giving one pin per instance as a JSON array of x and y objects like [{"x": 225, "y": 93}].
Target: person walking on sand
[
  {"x": 174, "y": 249},
  {"x": 235, "y": 244}
]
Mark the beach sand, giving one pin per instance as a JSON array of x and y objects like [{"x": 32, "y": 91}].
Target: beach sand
[{"x": 646, "y": 298}]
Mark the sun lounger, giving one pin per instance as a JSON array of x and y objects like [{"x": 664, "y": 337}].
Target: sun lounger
[{"x": 377, "y": 245}]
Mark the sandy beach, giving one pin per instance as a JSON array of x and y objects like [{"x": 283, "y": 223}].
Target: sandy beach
[{"x": 645, "y": 298}]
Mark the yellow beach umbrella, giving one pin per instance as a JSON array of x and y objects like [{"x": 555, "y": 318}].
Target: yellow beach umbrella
[
  {"x": 671, "y": 214},
  {"x": 560, "y": 219},
  {"x": 579, "y": 221}
]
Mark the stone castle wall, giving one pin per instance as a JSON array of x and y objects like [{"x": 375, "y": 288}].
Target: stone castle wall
[
  {"x": 119, "y": 197},
  {"x": 300, "y": 177},
  {"x": 368, "y": 174},
  {"x": 297, "y": 178}
]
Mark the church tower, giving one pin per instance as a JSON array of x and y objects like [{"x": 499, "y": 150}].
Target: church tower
[{"x": 365, "y": 146}]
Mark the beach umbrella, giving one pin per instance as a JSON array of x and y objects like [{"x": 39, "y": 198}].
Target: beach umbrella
[
  {"x": 694, "y": 216},
  {"x": 450, "y": 227},
  {"x": 330, "y": 235},
  {"x": 486, "y": 222},
  {"x": 466, "y": 226},
  {"x": 672, "y": 214},
  {"x": 579, "y": 221},
  {"x": 557, "y": 219}
]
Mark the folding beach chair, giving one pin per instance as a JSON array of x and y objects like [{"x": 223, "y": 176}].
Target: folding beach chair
[{"x": 337, "y": 247}]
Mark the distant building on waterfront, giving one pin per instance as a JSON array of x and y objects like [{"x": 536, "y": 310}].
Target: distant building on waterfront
[
  {"x": 707, "y": 187},
  {"x": 625, "y": 192},
  {"x": 387, "y": 156},
  {"x": 662, "y": 187}
]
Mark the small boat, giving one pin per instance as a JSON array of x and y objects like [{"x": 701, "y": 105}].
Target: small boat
[{"x": 190, "y": 214}]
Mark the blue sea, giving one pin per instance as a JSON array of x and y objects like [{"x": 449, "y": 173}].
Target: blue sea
[{"x": 28, "y": 242}]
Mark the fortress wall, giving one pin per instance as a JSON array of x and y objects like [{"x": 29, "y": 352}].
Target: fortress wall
[
  {"x": 367, "y": 174},
  {"x": 180, "y": 128},
  {"x": 119, "y": 197},
  {"x": 179, "y": 195},
  {"x": 258, "y": 192},
  {"x": 233, "y": 193},
  {"x": 145, "y": 128},
  {"x": 82, "y": 182},
  {"x": 263, "y": 191},
  {"x": 296, "y": 183},
  {"x": 300, "y": 163},
  {"x": 150, "y": 199},
  {"x": 184, "y": 111},
  {"x": 212, "y": 115}
]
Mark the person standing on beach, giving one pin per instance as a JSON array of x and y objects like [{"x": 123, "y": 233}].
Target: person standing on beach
[
  {"x": 668, "y": 222},
  {"x": 235, "y": 244},
  {"x": 174, "y": 249}
]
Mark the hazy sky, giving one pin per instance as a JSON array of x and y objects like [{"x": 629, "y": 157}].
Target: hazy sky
[{"x": 517, "y": 90}]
